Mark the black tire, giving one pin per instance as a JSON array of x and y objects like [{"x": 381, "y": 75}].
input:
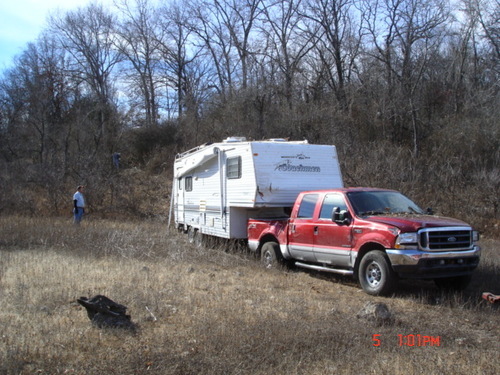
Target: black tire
[
  {"x": 376, "y": 275},
  {"x": 456, "y": 283},
  {"x": 270, "y": 255}
]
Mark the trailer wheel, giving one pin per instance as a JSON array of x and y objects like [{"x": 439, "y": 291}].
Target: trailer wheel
[
  {"x": 455, "y": 283},
  {"x": 199, "y": 238},
  {"x": 191, "y": 232},
  {"x": 270, "y": 255},
  {"x": 375, "y": 274}
]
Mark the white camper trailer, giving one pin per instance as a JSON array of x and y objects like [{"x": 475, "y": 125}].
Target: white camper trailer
[{"x": 219, "y": 186}]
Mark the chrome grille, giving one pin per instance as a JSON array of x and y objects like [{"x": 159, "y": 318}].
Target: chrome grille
[{"x": 444, "y": 239}]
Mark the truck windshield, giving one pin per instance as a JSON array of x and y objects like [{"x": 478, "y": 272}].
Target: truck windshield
[{"x": 381, "y": 203}]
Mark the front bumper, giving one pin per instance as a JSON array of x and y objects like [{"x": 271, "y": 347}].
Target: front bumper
[{"x": 431, "y": 264}]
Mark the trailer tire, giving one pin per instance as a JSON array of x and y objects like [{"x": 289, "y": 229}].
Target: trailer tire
[
  {"x": 199, "y": 239},
  {"x": 191, "y": 232},
  {"x": 270, "y": 255},
  {"x": 376, "y": 275}
]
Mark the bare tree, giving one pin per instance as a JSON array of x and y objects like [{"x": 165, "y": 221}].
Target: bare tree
[
  {"x": 239, "y": 18},
  {"x": 403, "y": 33},
  {"x": 212, "y": 30},
  {"x": 178, "y": 54},
  {"x": 335, "y": 49},
  {"x": 488, "y": 14},
  {"x": 288, "y": 38},
  {"x": 37, "y": 99},
  {"x": 140, "y": 41},
  {"x": 88, "y": 35}
]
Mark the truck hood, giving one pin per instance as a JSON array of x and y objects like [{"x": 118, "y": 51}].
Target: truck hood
[{"x": 412, "y": 223}]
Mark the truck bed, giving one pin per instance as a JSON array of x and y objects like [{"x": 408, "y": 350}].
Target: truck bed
[{"x": 260, "y": 227}]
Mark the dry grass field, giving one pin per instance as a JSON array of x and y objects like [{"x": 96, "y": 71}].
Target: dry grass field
[{"x": 215, "y": 311}]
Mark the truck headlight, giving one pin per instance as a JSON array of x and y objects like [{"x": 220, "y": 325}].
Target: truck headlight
[
  {"x": 407, "y": 241},
  {"x": 475, "y": 236}
]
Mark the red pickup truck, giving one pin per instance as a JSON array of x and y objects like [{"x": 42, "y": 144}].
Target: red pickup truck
[{"x": 375, "y": 235}]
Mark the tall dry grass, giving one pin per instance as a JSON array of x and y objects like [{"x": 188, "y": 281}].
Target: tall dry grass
[{"x": 215, "y": 311}]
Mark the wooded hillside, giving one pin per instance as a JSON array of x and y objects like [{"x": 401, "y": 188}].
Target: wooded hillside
[{"x": 408, "y": 91}]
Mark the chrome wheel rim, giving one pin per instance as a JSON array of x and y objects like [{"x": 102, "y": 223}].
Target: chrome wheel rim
[
  {"x": 373, "y": 274},
  {"x": 267, "y": 259}
]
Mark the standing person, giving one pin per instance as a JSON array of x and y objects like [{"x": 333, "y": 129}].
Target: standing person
[
  {"x": 79, "y": 204},
  {"x": 116, "y": 159}
]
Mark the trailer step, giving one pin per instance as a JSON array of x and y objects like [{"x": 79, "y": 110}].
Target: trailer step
[{"x": 325, "y": 269}]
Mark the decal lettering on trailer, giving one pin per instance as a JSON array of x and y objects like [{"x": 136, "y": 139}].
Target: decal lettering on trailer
[{"x": 289, "y": 167}]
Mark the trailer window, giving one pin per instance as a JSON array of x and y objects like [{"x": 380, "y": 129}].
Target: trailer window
[
  {"x": 233, "y": 167},
  {"x": 306, "y": 209},
  {"x": 188, "y": 183}
]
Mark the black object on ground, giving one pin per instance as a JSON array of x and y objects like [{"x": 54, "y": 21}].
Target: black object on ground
[{"x": 104, "y": 312}]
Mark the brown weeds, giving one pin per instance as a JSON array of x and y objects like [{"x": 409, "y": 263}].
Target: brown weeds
[{"x": 214, "y": 311}]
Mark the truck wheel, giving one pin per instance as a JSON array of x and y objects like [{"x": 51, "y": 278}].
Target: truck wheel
[
  {"x": 375, "y": 274},
  {"x": 270, "y": 255},
  {"x": 456, "y": 283}
]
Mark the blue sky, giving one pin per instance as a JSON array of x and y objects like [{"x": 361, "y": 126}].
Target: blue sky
[{"x": 21, "y": 21}]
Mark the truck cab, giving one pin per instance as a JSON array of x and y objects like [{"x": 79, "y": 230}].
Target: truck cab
[{"x": 375, "y": 235}]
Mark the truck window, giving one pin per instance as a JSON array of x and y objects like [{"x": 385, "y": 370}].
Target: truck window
[
  {"x": 233, "y": 167},
  {"x": 331, "y": 201},
  {"x": 380, "y": 202},
  {"x": 306, "y": 209}
]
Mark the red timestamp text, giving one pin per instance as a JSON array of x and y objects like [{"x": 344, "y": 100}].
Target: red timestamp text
[{"x": 410, "y": 340}]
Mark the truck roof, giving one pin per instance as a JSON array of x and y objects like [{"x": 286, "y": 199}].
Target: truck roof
[{"x": 347, "y": 190}]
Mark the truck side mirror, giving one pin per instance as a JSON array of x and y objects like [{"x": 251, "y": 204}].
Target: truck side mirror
[
  {"x": 336, "y": 214},
  {"x": 341, "y": 217},
  {"x": 430, "y": 211}
]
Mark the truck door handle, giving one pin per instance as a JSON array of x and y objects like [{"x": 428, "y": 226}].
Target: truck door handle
[{"x": 316, "y": 230}]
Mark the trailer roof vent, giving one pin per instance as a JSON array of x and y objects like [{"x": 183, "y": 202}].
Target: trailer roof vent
[{"x": 234, "y": 139}]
